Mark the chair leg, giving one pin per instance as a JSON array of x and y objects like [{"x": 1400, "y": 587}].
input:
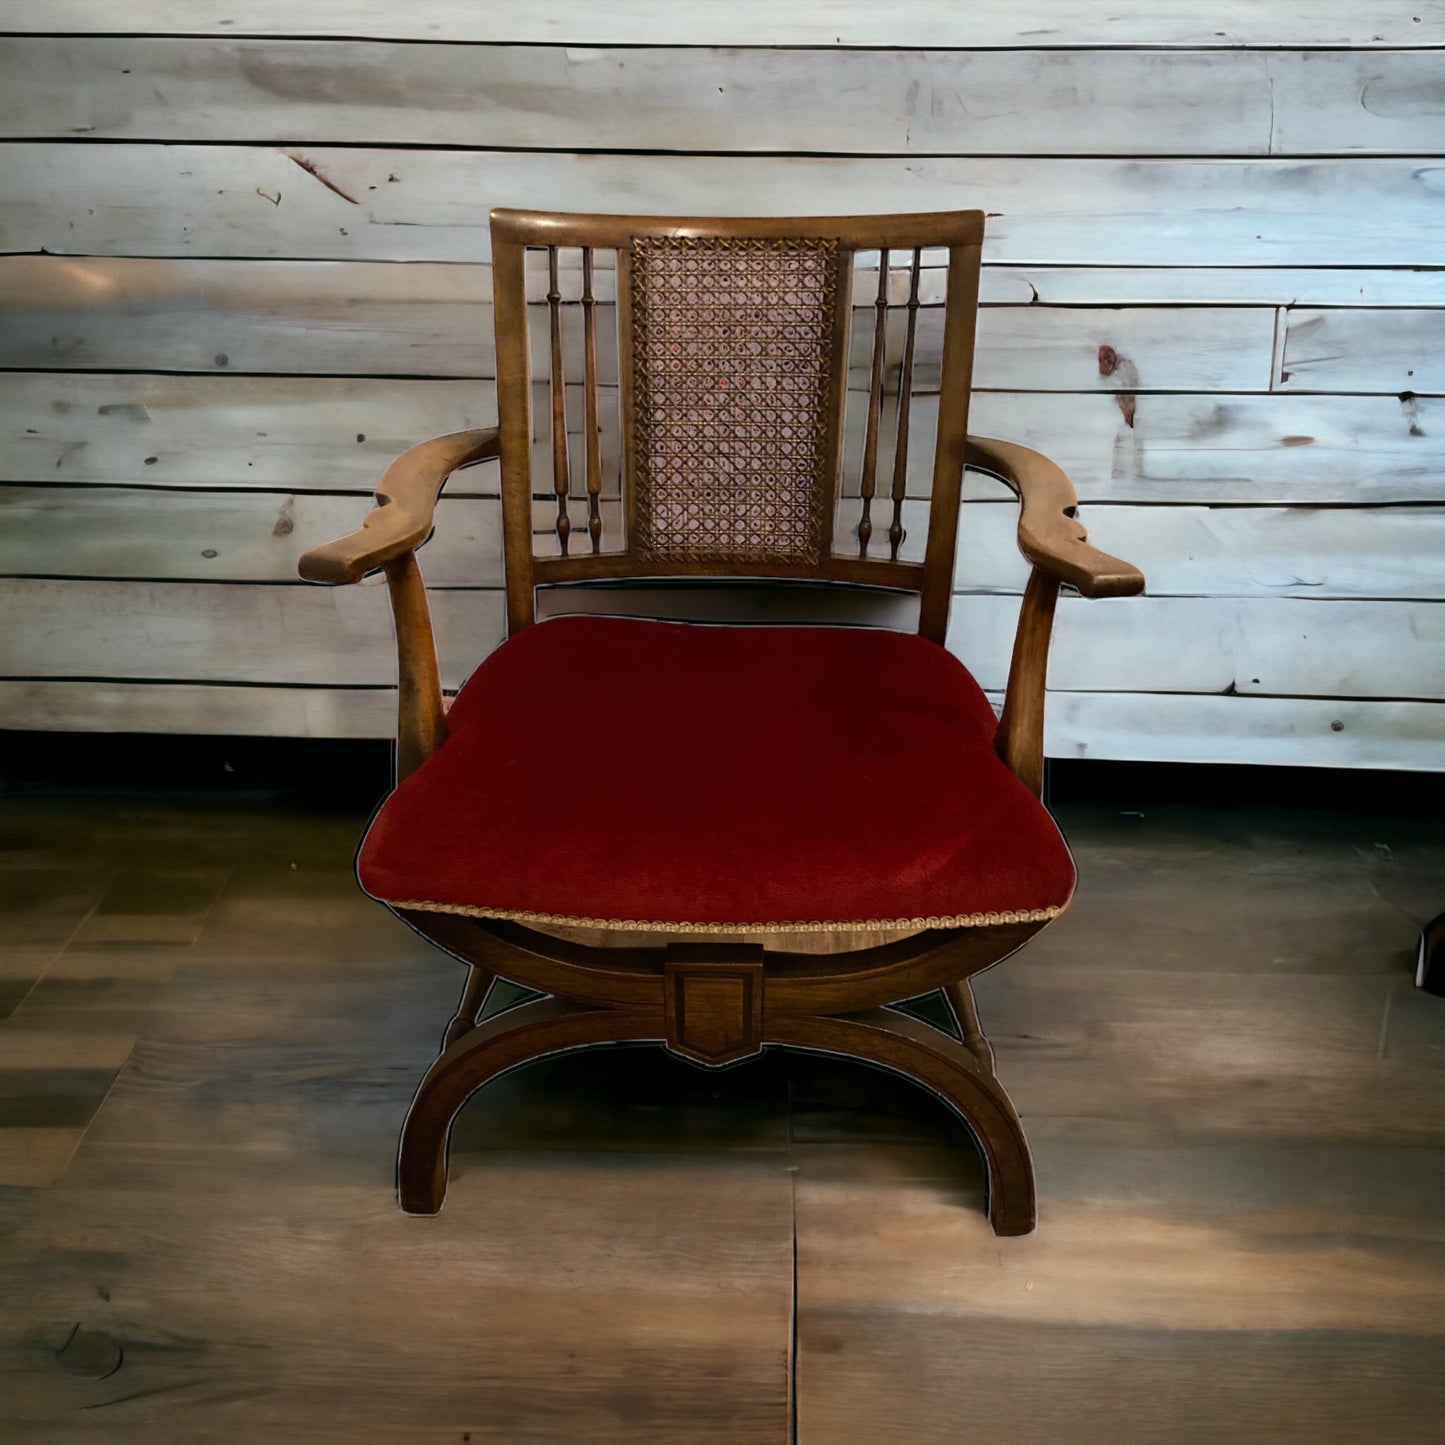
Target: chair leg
[
  {"x": 474, "y": 997},
  {"x": 965, "y": 1012},
  {"x": 947, "y": 1069},
  {"x": 485, "y": 1052}
]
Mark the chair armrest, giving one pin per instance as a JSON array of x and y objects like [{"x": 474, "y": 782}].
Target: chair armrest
[
  {"x": 405, "y": 503},
  {"x": 1050, "y": 535}
]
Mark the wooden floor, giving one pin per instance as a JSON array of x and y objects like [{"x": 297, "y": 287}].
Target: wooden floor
[{"x": 209, "y": 1039}]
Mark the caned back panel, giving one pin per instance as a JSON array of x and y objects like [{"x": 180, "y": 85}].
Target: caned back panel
[
  {"x": 734, "y": 371},
  {"x": 718, "y": 397}
]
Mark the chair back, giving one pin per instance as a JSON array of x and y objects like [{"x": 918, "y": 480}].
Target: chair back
[{"x": 708, "y": 397}]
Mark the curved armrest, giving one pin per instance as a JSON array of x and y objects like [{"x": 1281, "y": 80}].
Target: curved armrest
[
  {"x": 405, "y": 502},
  {"x": 1050, "y": 535}
]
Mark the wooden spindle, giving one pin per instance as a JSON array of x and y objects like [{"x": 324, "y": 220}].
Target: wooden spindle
[
  {"x": 594, "y": 439},
  {"x": 905, "y": 407},
  {"x": 965, "y": 1012},
  {"x": 561, "y": 481},
  {"x": 875, "y": 405}
]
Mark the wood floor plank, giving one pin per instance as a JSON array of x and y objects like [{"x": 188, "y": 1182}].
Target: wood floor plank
[
  {"x": 41, "y": 906},
  {"x": 655, "y": 1317},
  {"x": 19, "y": 971},
  {"x": 1230, "y": 890},
  {"x": 230, "y": 1230},
  {"x": 42, "y": 1050},
  {"x": 1240, "y": 1150},
  {"x": 151, "y": 906},
  {"x": 31, "y": 1158},
  {"x": 1215, "y": 1294}
]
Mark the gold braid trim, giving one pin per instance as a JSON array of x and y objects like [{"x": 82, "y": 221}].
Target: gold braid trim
[{"x": 634, "y": 925}]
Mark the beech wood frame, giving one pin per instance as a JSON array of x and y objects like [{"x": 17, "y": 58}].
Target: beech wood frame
[{"x": 716, "y": 1003}]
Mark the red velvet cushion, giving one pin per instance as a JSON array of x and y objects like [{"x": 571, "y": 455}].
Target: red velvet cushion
[{"x": 624, "y": 772}]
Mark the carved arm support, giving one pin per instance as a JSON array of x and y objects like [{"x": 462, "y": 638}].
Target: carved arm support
[
  {"x": 388, "y": 538},
  {"x": 405, "y": 506},
  {"x": 1051, "y": 536}
]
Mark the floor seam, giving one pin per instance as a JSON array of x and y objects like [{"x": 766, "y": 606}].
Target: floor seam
[{"x": 793, "y": 1334}]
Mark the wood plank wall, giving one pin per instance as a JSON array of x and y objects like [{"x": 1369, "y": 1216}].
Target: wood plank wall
[{"x": 244, "y": 261}]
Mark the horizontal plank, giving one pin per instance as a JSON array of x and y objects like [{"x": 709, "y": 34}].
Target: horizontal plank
[
  {"x": 160, "y": 534},
  {"x": 257, "y": 316},
  {"x": 213, "y": 535},
  {"x": 1136, "y": 726},
  {"x": 695, "y": 99},
  {"x": 1221, "y": 448},
  {"x": 1262, "y": 646},
  {"x": 228, "y": 632},
  {"x": 299, "y": 317},
  {"x": 1223, "y": 24},
  {"x": 1364, "y": 351},
  {"x": 418, "y": 205},
  {"x": 313, "y": 433},
  {"x": 118, "y": 532},
  {"x": 1060, "y": 348},
  {"x": 471, "y": 283},
  {"x": 1283, "y": 731},
  {"x": 1194, "y": 285},
  {"x": 1364, "y": 552},
  {"x": 1344, "y": 552},
  {"x": 200, "y": 708},
  {"x": 691, "y": 99},
  {"x": 219, "y": 632},
  {"x": 1333, "y": 103},
  {"x": 319, "y": 433},
  {"x": 280, "y": 633},
  {"x": 999, "y": 284}
]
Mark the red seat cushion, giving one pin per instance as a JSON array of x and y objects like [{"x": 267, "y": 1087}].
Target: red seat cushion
[{"x": 615, "y": 772}]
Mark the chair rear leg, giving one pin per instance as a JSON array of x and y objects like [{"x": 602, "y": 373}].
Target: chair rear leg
[
  {"x": 947, "y": 1069},
  {"x": 485, "y": 1052},
  {"x": 965, "y": 1012},
  {"x": 473, "y": 1000}
]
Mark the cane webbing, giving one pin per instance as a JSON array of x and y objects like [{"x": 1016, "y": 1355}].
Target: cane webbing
[{"x": 732, "y": 376}]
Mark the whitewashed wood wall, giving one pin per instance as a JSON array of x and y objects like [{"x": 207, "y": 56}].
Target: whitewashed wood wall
[{"x": 245, "y": 261}]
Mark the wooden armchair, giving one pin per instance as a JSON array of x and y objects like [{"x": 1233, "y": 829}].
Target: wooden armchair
[{"x": 703, "y": 793}]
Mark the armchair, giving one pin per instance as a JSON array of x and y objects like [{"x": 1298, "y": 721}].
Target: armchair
[{"x": 720, "y": 788}]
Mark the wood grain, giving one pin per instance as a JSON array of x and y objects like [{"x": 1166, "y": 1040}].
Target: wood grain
[
  {"x": 1214, "y": 728},
  {"x": 1279, "y": 647},
  {"x": 1228, "y": 448},
  {"x": 1157, "y": 727},
  {"x": 922, "y": 101},
  {"x": 222, "y": 535},
  {"x": 250, "y": 316},
  {"x": 210, "y": 632},
  {"x": 313, "y": 433},
  {"x": 267, "y": 710},
  {"x": 302, "y": 432},
  {"x": 1220, "y": 24},
  {"x": 1393, "y": 351},
  {"x": 220, "y": 201},
  {"x": 1336, "y": 552}
]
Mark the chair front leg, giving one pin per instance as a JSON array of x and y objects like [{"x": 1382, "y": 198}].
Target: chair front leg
[{"x": 503, "y": 1043}]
